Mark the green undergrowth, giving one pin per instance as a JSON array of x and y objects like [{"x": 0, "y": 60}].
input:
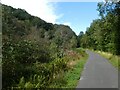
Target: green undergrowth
[
  {"x": 113, "y": 59},
  {"x": 73, "y": 75},
  {"x": 59, "y": 73}
]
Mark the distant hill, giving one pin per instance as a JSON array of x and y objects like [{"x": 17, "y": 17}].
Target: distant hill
[{"x": 18, "y": 24}]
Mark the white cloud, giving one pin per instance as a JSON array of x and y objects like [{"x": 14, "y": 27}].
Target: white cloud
[
  {"x": 41, "y": 8},
  {"x": 67, "y": 23}
]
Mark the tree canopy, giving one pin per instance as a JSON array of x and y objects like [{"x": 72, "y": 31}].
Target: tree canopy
[{"x": 104, "y": 34}]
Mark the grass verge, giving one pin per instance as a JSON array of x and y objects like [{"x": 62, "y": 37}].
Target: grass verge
[
  {"x": 113, "y": 59},
  {"x": 73, "y": 75}
]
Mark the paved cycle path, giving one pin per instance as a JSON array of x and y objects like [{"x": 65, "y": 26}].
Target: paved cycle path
[{"x": 98, "y": 73}]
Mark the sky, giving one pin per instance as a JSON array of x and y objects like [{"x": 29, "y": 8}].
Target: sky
[{"x": 78, "y": 15}]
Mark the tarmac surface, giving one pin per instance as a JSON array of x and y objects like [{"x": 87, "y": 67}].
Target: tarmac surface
[{"x": 98, "y": 73}]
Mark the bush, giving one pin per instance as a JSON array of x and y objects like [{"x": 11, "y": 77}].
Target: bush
[{"x": 18, "y": 58}]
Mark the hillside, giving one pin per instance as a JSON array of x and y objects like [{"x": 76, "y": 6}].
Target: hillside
[
  {"x": 34, "y": 52},
  {"x": 18, "y": 24}
]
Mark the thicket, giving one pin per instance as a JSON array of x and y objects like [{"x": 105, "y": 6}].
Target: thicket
[
  {"x": 34, "y": 51},
  {"x": 104, "y": 34}
]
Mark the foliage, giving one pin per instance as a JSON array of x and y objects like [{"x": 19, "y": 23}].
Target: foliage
[
  {"x": 103, "y": 34},
  {"x": 18, "y": 57},
  {"x": 33, "y": 50}
]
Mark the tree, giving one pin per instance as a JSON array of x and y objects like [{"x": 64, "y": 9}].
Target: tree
[
  {"x": 103, "y": 34},
  {"x": 113, "y": 9}
]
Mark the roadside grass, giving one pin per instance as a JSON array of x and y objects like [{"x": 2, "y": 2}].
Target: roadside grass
[
  {"x": 113, "y": 59},
  {"x": 73, "y": 75}
]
